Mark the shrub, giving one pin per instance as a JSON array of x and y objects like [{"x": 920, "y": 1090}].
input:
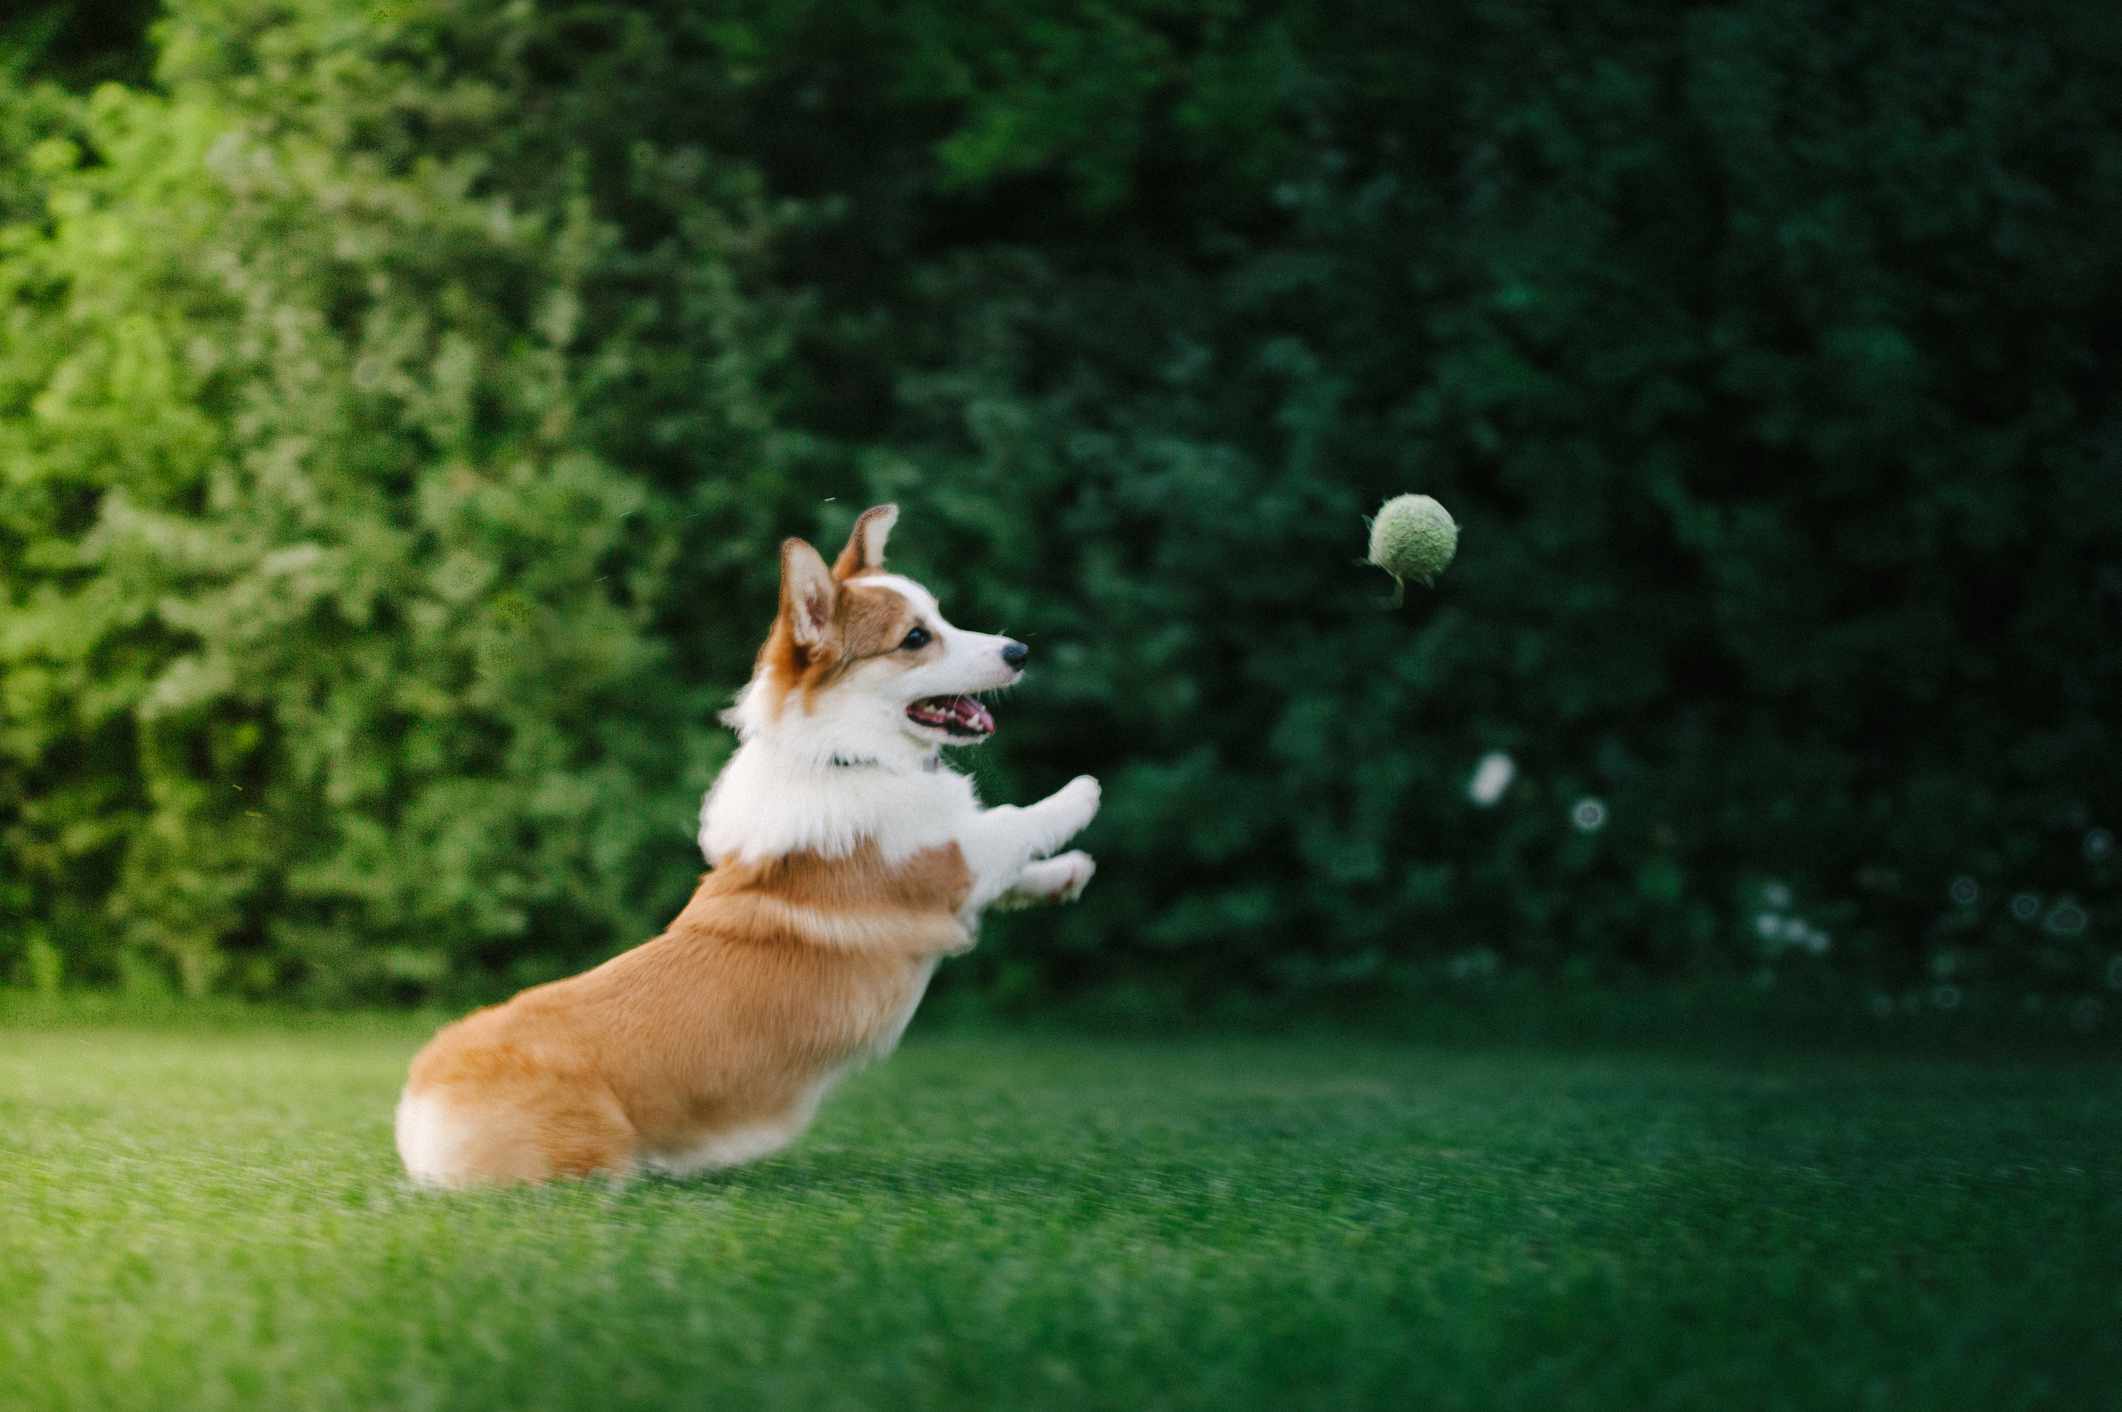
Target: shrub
[
  {"x": 400, "y": 403},
  {"x": 339, "y": 645}
]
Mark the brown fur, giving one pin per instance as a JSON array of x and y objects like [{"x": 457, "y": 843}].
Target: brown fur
[
  {"x": 854, "y": 622},
  {"x": 773, "y": 977},
  {"x": 864, "y": 553}
]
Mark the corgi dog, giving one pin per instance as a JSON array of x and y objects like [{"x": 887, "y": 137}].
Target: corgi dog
[{"x": 846, "y": 860}]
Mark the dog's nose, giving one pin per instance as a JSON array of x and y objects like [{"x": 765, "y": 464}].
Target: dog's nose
[{"x": 1014, "y": 653}]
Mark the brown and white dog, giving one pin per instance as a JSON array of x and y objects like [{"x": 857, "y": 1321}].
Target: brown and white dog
[{"x": 846, "y": 862}]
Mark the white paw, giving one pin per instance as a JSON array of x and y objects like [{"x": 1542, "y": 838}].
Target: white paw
[
  {"x": 1079, "y": 799},
  {"x": 1079, "y": 868}
]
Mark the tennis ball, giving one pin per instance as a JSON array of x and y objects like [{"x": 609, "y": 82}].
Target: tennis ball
[{"x": 1413, "y": 537}]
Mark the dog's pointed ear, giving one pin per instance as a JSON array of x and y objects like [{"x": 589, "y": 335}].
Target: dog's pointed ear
[
  {"x": 865, "y": 543},
  {"x": 808, "y": 594}
]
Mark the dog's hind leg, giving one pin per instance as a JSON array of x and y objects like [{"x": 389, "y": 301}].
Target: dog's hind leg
[{"x": 528, "y": 1128}]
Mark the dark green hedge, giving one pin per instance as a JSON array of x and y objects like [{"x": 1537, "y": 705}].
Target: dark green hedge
[{"x": 399, "y": 403}]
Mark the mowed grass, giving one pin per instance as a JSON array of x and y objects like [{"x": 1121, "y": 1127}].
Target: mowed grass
[{"x": 195, "y": 1218}]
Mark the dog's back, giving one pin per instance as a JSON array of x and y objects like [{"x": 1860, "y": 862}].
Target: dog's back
[{"x": 709, "y": 1045}]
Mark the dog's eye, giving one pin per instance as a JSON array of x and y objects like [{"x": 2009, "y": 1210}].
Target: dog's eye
[{"x": 916, "y": 640}]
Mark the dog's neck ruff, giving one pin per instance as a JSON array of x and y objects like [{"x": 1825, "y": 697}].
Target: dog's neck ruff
[{"x": 782, "y": 794}]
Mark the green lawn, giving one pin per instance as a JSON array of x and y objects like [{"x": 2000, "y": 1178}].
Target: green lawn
[{"x": 201, "y": 1218}]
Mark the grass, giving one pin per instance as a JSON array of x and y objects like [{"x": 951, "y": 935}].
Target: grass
[{"x": 211, "y": 1217}]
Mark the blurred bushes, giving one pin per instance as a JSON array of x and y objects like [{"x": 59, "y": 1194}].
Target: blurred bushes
[
  {"x": 360, "y": 398},
  {"x": 399, "y": 404}
]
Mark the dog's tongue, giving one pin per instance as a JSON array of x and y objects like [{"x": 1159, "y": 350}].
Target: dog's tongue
[
  {"x": 972, "y": 715},
  {"x": 958, "y": 713}
]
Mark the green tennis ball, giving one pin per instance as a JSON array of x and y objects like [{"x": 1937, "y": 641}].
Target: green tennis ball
[{"x": 1413, "y": 537}]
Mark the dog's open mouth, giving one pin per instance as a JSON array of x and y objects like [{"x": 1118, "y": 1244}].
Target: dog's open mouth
[{"x": 957, "y": 715}]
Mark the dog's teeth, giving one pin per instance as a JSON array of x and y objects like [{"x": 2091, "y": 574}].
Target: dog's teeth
[{"x": 964, "y": 715}]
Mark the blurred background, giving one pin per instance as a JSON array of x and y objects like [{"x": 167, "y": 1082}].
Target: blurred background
[{"x": 400, "y": 402}]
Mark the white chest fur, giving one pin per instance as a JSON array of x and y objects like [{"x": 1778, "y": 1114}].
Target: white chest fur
[{"x": 768, "y": 802}]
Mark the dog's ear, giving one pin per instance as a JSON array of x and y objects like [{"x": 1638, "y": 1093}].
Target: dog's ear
[
  {"x": 808, "y": 594},
  {"x": 865, "y": 544}
]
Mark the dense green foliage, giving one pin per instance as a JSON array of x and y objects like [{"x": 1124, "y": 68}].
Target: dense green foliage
[
  {"x": 209, "y": 1220},
  {"x": 398, "y": 403}
]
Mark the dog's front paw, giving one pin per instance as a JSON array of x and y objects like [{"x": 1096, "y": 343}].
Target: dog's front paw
[
  {"x": 1049, "y": 881},
  {"x": 1079, "y": 799},
  {"x": 1077, "y": 869}
]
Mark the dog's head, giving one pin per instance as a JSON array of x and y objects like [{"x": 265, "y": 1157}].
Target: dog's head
[{"x": 865, "y": 660}]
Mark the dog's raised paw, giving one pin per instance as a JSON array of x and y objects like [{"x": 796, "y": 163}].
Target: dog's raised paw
[
  {"x": 1081, "y": 869},
  {"x": 1084, "y": 793}
]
